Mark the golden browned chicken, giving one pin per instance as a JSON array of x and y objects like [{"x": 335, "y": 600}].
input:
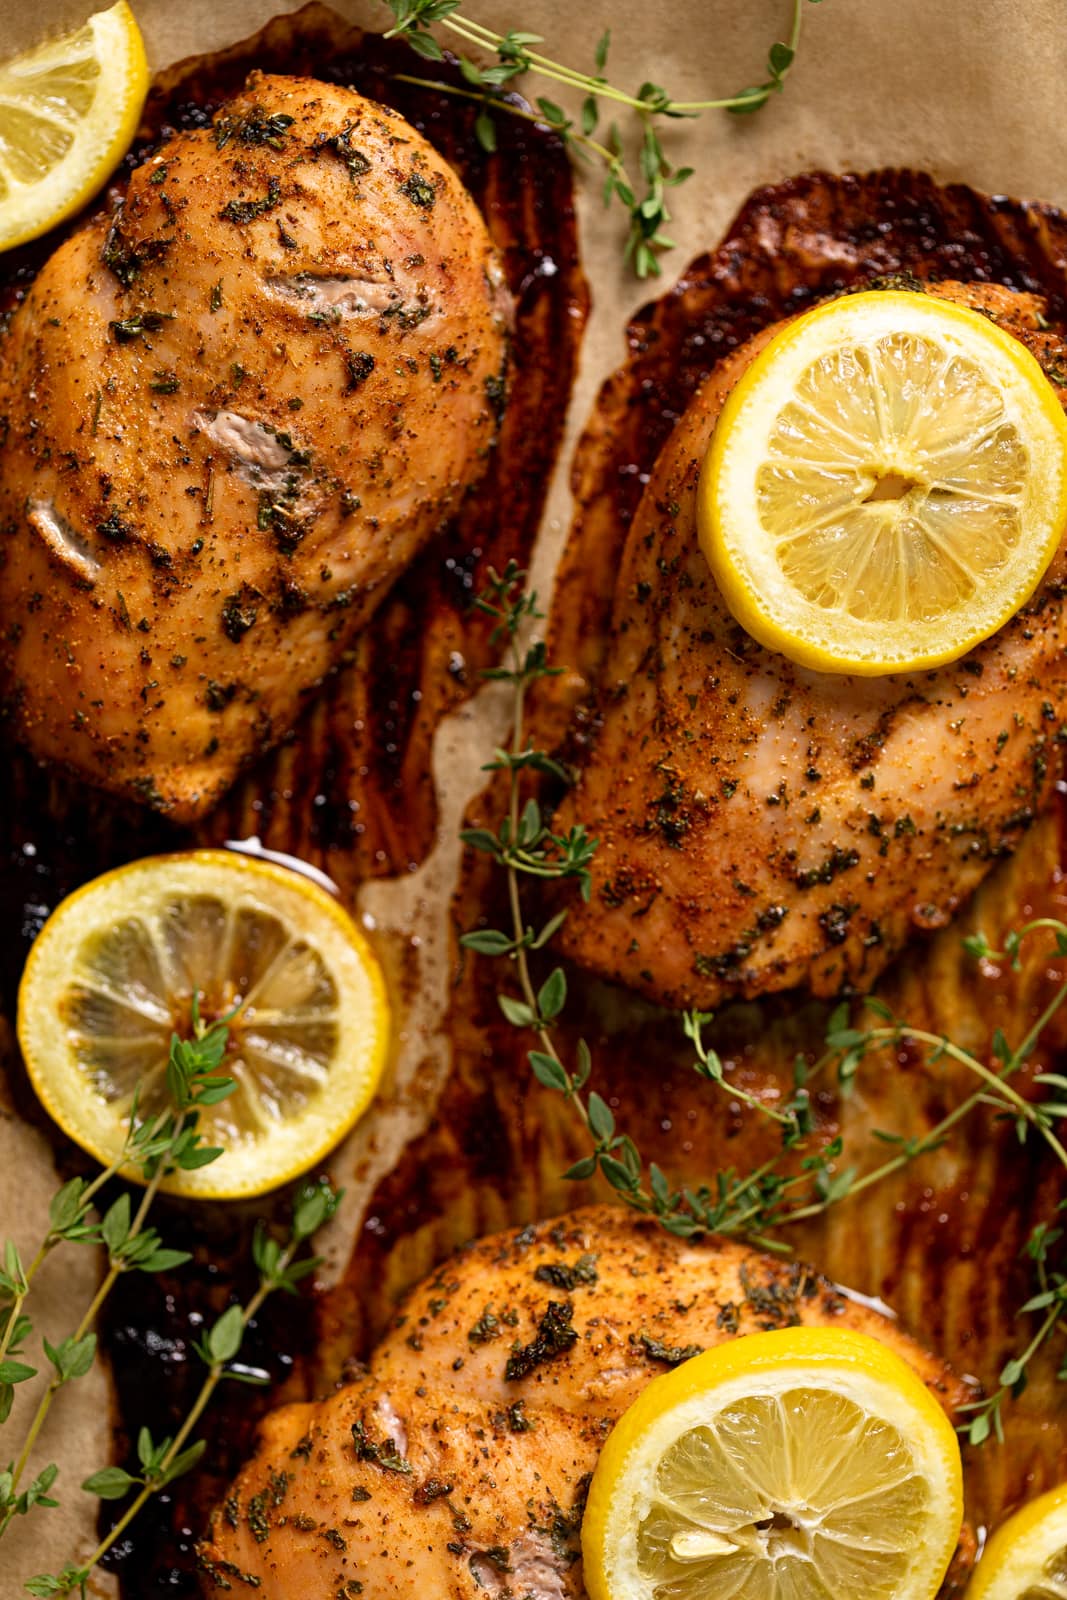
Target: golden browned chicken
[
  {"x": 762, "y": 826},
  {"x": 459, "y": 1465},
  {"x": 232, "y": 413}
]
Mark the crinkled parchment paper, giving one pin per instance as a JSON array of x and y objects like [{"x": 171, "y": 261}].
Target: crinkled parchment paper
[{"x": 966, "y": 89}]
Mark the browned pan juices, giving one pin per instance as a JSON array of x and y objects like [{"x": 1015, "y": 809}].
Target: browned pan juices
[
  {"x": 354, "y": 777},
  {"x": 941, "y": 1242},
  {"x": 351, "y": 790}
]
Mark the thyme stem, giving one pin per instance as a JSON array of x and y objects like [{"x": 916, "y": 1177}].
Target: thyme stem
[
  {"x": 215, "y": 1374},
  {"x": 734, "y": 100},
  {"x": 477, "y": 34},
  {"x": 14, "y": 1310},
  {"x": 583, "y": 140},
  {"x": 996, "y": 1081},
  {"x": 474, "y": 33},
  {"x": 116, "y": 1267},
  {"x": 760, "y": 1203},
  {"x": 516, "y": 55},
  {"x": 888, "y": 1168},
  {"x": 51, "y": 1239},
  {"x": 518, "y": 924}
]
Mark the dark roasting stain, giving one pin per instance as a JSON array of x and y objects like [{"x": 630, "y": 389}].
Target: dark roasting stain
[
  {"x": 938, "y": 1243},
  {"x": 364, "y": 746},
  {"x": 350, "y": 790}
]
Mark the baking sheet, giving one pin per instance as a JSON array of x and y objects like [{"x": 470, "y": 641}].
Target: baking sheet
[{"x": 969, "y": 91}]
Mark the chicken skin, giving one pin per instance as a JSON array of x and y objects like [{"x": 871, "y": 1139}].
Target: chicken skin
[
  {"x": 459, "y": 1465},
  {"x": 230, "y": 414},
  {"x": 762, "y": 826}
]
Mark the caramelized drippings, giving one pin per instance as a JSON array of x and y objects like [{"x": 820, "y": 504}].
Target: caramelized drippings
[
  {"x": 941, "y": 1242},
  {"x": 351, "y": 791}
]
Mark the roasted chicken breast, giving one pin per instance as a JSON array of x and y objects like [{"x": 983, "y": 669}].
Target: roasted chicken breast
[
  {"x": 232, "y": 412},
  {"x": 458, "y": 1466},
  {"x": 762, "y": 826}
]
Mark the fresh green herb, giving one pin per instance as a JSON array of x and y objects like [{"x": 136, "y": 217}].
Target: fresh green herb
[
  {"x": 115, "y": 528},
  {"x": 670, "y": 1355},
  {"x": 432, "y": 1489},
  {"x": 1050, "y": 1301},
  {"x": 383, "y": 1453},
  {"x": 278, "y": 512},
  {"x": 126, "y": 260},
  {"x": 646, "y": 207},
  {"x": 809, "y": 1174},
  {"x": 157, "y": 1145},
  {"x": 160, "y": 1462},
  {"x": 239, "y": 612},
  {"x": 485, "y": 1329},
  {"x": 568, "y": 1276},
  {"x": 359, "y": 364}
]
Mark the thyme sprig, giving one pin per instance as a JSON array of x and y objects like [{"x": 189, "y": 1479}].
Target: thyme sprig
[
  {"x": 807, "y": 1175},
  {"x": 986, "y": 1417},
  {"x": 157, "y": 1145},
  {"x": 524, "y": 846},
  {"x": 645, "y": 202},
  {"x": 160, "y": 1462}
]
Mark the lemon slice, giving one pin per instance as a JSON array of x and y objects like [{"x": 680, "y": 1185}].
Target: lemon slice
[
  {"x": 113, "y": 973},
  {"x": 1026, "y": 1559},
  {"x": 68, "y": 111},
  {"x": 885, "y": 486},
  {"x": 804, "y": 1464}
]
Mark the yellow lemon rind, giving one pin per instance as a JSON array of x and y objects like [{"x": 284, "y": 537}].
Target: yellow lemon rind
[
  {"x": 848, "y": 1363},
  {"x": 792, "y": 628},
  {"x": 31, "y": 210},
  {"x": 1013, "y": 1559}
]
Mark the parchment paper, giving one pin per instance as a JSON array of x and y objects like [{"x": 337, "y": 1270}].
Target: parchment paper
[{"x": 966, "y": 89}]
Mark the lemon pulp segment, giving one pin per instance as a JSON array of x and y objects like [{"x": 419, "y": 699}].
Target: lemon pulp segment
[
  {"x": 114, "y": 972},
  {"x": 807, "y": 1464},
  {"x": 886, "y": 484},
  {"x": 68, "y": 111}
]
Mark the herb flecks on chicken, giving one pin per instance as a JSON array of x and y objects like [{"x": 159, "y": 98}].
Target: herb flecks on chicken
[
  {"x": 761, "y": 826},
  {"x": 235, "y": 409},
  {"x": 445, "y": 1471}
]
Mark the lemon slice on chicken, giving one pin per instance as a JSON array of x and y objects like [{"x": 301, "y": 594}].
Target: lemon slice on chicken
[
  {"x": 803, "y": 1464},
  {"x": 1026, "y": 1559},
  {"x": 68, "y": 111},
  {"x": 113, "y": 974},
  {"x": 886, "y": 484}
]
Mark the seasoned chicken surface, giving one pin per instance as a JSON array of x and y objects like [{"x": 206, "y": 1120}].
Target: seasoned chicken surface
[
  {"x": 459, "y": 1465},
  {"x": 232, "y": 412},
  {"x": 762, "y": 826}
]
